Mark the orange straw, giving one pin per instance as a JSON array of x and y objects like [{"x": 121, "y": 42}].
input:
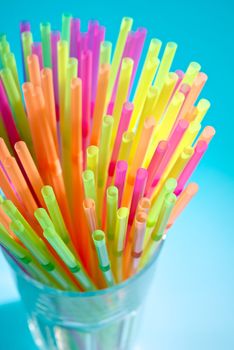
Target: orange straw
[
  {"x": 207, "y": 134},
  {"x": 34, "y": 70},
  {"x": 99, "y": 108}
]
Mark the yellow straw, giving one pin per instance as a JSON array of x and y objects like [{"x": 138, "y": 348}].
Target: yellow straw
[
  {"x": 126, "y": 145},
  {"x": 202, "y": 108},
  {"x": 62, "y": 73},
  {"x": 191, "y": 73},
  {"x": 92, "y": 153},
  {"x": 181, "y": 162}
]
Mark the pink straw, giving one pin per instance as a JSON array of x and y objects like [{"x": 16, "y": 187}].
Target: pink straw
[
  {"x": 37, "y": 50},
  {"x": 173, "y": 142},
  {"x": 120, "y": 176},
  {"x": 199, "y": 151},
  {"x": 75, "y": 32},
  {"x": 123, "y": 126},
  {"x": 7, "y": 117},
  {"x": 138, "y": 192},
  {"x": 155, "y": 162},
  {"x": 55, "y": 37}
]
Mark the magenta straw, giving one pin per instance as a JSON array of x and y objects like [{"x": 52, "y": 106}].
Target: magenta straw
[
  {"x": 86, "y": 76},
  {"x": 199, "y": 151},
  {"x": 155, "y": 162},
  {"x": 180, "y": 75},
  {"x": 25, "y": 26},
  {"x": 123, "y": 126},
  {"x": 75, "y": 32},
  {"x": 37, "y": 50},
  {"x": 120, "y": 176},
  {"x": 7, "y": 117},
  {"x": 93, "y": 26},
  {"x": 138, "y": 192},
  {"x": 173, "y": 142},
  {"x": 55, "y": 38}
]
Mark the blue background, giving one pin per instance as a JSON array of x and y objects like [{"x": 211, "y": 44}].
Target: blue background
[{"x": 190, "y": 305}]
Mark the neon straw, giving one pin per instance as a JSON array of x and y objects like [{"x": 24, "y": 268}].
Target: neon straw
[
  {"x": 7, "y": 117},
  {"x": 92, "y": 155},
  {"x": 27, "y": 40},
  {"x": 202, "y": 107},
  {"x": 55, "y": 38},
  {"x": 62, "y": 53},
  {"x": 181, "y": 162},
  {"x": 69, "y": 259},
  {"x": 191, "y": 73},
  {"x": 122, "y": 93},
  {"x": 30, "y": 169},
  {"x": 99, "y": 36},
  {"x": 89, "y": 185},
  {"x": 103, "y": 258},
  {"x": 137, "y": 247},
  {"x": 4, "y": 135},
  {"x": 180, "y": 75},
  {"x": 112, "y": 207},
  {"x": 37, "y": 50},
  {"x": 99, "y": 107},
  {"x": 199, "y": 151},
  {"x": 24, "y": 27},
  {"x": 75, "y": 32},
  {"x": 120, "y": 176},
  {"x": 166, "y": 63},
  {"x": 55, "y": 213},
  {"x": 184, "y": 198},
  {"x": 105, "y": 52},
  {"x": 119, "y": 242},
  {"x": 144, "y": 205},
  {"x": 90, "y": 213},
  {"x": 11, "y": 64},
  {"x": 34, "y": 70},
  {"x": 66, "y": 27},
  {"x": 125, "y": 27},
  {"x": 45, "y": 30},
  {"x": 207, "y": 134},
  {"x": 122, "y": 127}
]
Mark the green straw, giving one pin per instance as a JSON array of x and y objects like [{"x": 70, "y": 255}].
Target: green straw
[
  {"x": 89, "y": 185},
  {"x": 55, "y": 213},
  {"x": 112, "y": 207},
  {"x": 69, "y": 259},
  {"x": 105, "y": 52},
  {"x": 103, "y": 258},
  {"x": 66, "y": 27},
  {"x": 27, "y": 41},
  {"x": 45, "y": 30},
  {"x": 10, "y": 63}
]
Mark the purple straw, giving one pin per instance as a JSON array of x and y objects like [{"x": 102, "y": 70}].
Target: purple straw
[
  {"x": 75, "y": 32},
  {"x": 55, "y": 37},
  {"x": 25, "y": 26}
]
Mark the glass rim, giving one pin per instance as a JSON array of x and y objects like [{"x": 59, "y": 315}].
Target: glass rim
[{"x": 53, "y": 291}]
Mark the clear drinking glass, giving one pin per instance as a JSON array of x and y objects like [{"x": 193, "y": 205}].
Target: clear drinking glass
[{"x": 101, "y": 320}]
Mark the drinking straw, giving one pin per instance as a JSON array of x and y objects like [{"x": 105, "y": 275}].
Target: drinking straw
[
  {"x": 24, "y": 27},
  {"x": 119, "y": 242},
  {"x": 126, "y": 145},
  {"x": 75, "y": 32},
  {"x": 207, "y": 134},
  {"x": 202, "y": 107},
  {"x": 66, "y": 27},
  {"x": 103, "y": 258},
  {"x": 7, "y": 117},
  {"x": 48, "y": 92},
  {"x": 45, "y": 30},
  {"x": 55, "y": 39},
  {"x": 69, "y": 259},
  {"x": 165, "y": 64},
  {"x": 10, "y": 63},
  {"x": 105, "y": 52},
  {"x": 99, "y": 106},
  {"x": 86, "y": 76},
  {"x": 92, "y": 154},
  {"x": 199, "y": 151},
  {"x": 4, "y": 135},
  {"x": 104, "y": 145},
  {"x": 34, "y": 70},
  {"x": 22, "y": 255},
  {"x": 196, "y": 88},
  {"x": 30, "y": 169},
  {"x": 182, "y": 201},
  {"x": 90, "y": 213},
  {"x": 112, "y": 207},
  {"x": 191, "y": 73},
  {"x": 89, "y": 185},
  {"x": 38, "y": 249},
  {"x": 181, "y": 162},
  {"x": 120, "y": 176},
  {"x": 17, "y": 106},
  {"x": 20, "y": 184},
  {"x": 148, "y": 72},
  {"x": 27, "y": 40},
  {"x": 37, "y": 50},
  {"x": 159, "y": 229},
  {"x": 159, "y": 153},
  {"x": 122, "y": 92},
  {"x": 122, "y": 127},
  {"x": 62, "y": 47},
  {"x": 125, "y": 28},
  {"x": 98, "y": 37},
  {"x": 180, "y": 75},
  {"x": 55, "y": 213}
]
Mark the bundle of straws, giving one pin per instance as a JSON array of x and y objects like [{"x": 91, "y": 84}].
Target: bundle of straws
[{"x": 91, "y": 182}]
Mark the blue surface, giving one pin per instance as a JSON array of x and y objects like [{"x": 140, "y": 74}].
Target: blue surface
[{"x": 190, "y": 305}]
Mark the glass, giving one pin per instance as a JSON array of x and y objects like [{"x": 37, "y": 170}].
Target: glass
[{"x": 101, "y": 320}]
